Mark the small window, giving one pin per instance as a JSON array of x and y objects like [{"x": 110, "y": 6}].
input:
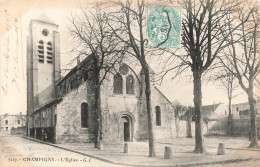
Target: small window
[
  {"x": 6, "y": 128},
  {"x": 49, "y": 46},
  {"x": 129, "y": 84},
  {"x": 6, "y": 122},
  {"x": 123, "y": 69},
  {"x": 18, "y": 122},
  {"x": 49, "y": 61},
  {"x": 45, "y": 32},
  {"x": 72, "y": 84},
  {"x": 158, "y": 115},
  {"x": 84, "y": 115},
  {"x": 40, "y": 46},
  {"x": 237, "y": 108},
  {"x": 118, "y": 84},
  {"x": 49, "y": 52},
  {"x": 63, "y": 88},
  {"x": 40, "y": 52},
  {"x": 44, "y": 113}
]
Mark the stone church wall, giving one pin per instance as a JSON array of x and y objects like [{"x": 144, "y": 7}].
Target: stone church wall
[
  {"x": 68, "y": 127},
  {"x": 114, "y": 107},
  {"x": 167, "y": 127}
]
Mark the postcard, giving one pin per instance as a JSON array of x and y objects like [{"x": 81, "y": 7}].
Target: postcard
[{"x": 129, "y": 83}]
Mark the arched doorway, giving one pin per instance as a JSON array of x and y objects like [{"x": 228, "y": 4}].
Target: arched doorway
[{"x": 125, "y": 129}]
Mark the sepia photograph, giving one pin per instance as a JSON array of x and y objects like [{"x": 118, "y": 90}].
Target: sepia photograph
[{"x": 116, "y": 83}]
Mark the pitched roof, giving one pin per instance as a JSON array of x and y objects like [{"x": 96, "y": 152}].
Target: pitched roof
[
  {"x": 208, "y": 109},
  {"x": 163, "y": 95},
  {"x": 74, "y": 69},
  {"x": 10, "y": 115},
  {"x": 245, "y": 103},
  {"x": 44, "y": 18}
]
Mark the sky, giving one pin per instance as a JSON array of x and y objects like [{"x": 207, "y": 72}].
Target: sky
[{"x": 13, "y": 61}]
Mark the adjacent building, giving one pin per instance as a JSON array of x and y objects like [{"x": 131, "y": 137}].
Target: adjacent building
[
  {"x": 214, "y": 111},
  {"x": 60, "y": 109},
  {"x": 9, "y": 122},
  {"x": 242, "y": 110}
]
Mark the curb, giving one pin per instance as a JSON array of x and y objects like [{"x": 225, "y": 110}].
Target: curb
[
  {"x": 228, "y": 148},
  {"x": 89, "y": 155},
  {"x": 144, "y": 165}
]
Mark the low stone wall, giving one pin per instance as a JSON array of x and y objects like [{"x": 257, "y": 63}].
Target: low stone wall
[
  {"x": 217, "y": 127},
  {"x": 18, "y": 130},
  {"x": 241, "y": 127}
]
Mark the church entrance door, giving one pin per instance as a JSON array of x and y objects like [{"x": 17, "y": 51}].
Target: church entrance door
[{"x": 125, "y": 130}]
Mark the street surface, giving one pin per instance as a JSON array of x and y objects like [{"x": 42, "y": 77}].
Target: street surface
[
  {"x": 16, "y": 151},
  {"x": 254, "y": 163}
]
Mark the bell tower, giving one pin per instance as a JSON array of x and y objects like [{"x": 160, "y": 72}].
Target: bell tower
[{"x": 43, "y": 62}]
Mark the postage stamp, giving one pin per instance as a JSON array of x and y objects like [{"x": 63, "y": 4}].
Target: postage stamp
[{"x": 163, "y": 26}]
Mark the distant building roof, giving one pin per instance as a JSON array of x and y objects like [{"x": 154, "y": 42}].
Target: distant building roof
[
  {"x": 208, "y": 109},
  {"x": 14, "y": 115},
  {"x": 245, "y": 103}
]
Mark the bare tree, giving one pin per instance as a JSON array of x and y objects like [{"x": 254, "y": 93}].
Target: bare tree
[
  {"x": 128, "y": 26},
  {"x": 189, "y": 114},
  {"x": 93, "y": 39},
  {"x": 178, "y": 111},
  {"x": 227, "y": 81},
  {"x": 202, "y": 24},
  {"x": 243, "y": 55},
  {"x": 201, "y": 31}
]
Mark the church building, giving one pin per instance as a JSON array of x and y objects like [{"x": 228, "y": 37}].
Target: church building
[{"x": 60, "y": 109}]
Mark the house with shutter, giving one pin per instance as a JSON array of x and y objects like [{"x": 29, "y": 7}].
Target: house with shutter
[{"x": 8, "y": 122}]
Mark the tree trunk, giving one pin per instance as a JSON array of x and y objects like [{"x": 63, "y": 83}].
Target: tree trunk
[
  {"x": 253, "y": 131},
  {"x": 97, "y": 112},
  {"x": 149, "y": 111},
  {"x": 97, "y": 103},
  {"x": 177, "y": 125},
  {"x": 229, "y": 128},
  {"x": 199, "y": 143},
  {"x": 188, "y": 129}
]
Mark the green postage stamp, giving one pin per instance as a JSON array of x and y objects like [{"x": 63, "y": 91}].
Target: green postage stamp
[{"x": 164, "y": 26}]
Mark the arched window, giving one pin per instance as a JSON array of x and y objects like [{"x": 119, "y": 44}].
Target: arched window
[
  {"x": 49, "y": 52},
  {"x": 40, "y": 52},
  {"x": 118, "y": 84},
  {"x": 158, "y": 115},
  {"x": 129, "y": 84},
  {"x": 84, "y": 115}
]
